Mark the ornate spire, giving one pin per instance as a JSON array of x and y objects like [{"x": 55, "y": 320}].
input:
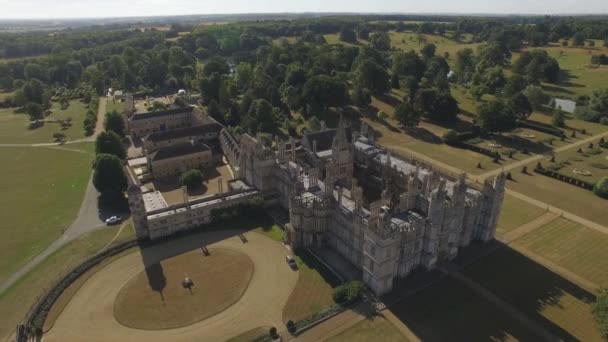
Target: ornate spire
[{"x": 340, "y": 142}]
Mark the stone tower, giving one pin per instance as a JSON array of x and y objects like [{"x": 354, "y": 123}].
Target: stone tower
[
  {"x": 138, "y": 211},
  {"x": 342, "y": 155},
  {"x": 494, "y": 194}
]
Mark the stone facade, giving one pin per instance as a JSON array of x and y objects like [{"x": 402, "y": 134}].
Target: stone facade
[
  {"x": 417, "y": 217},
  {"x": 142, "y": 124},
  {"x": 384, "y": 214}
]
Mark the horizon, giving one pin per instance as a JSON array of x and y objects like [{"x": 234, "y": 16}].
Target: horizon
[{"x": 114, "y": 9}]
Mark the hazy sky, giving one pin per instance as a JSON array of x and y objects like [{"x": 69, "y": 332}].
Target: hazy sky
[{"x": 122, "y": 8}]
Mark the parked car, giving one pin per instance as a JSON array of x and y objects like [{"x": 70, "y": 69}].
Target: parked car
[
  {"x": 291, "y": 262},
  {"x": 113, "y": 220}
]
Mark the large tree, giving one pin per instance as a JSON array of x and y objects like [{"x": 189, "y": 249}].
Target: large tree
[
  {"x": 109, "y": 177},
  {"x": 408, "y": 64},
  {"x": 348, "y": 35},
  {"x": 380, "y": 40},
  {"x": 373, "y": 76},
  {"x": 436, "y": 105},
  {"x": 520, "y": 106},
  {"x": 322, "y": 92},
  {"x": 496, "y": 116},
  {"x": 114, "y": 122},
  {"x": 407, "y": 115},
  {"x": 192, "y": 179},
  {"x": 108, "y": 142}
]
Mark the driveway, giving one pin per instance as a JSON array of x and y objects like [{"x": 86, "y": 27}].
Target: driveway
[{"x": 89, "y": 315}]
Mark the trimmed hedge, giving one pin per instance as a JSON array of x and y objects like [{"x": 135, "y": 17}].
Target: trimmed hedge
[
  {"x": 474, "y": 148},
  {"x": 540, "y": 127},
  {"x": 566, "y": 179}
]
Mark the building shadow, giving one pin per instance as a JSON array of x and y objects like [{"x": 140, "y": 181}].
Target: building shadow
[
  {"x": 437, "y": 307},
  {"x": 156, "y": 278}
]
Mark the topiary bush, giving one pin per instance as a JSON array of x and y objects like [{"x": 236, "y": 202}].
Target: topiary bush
[
  {"x": 601, "y": 188},
  {"x": 450, "y": 136},
  {"x": 192, "y": 179}
]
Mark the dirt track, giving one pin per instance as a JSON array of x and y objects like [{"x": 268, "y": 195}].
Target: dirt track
[{"x": 89, "y": 315}]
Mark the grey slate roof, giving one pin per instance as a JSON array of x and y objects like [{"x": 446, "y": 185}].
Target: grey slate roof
[
  {"x": 176, "y": 151},
  {"x": 161, "y": 113},
  {"x": 183, "y": 132}
]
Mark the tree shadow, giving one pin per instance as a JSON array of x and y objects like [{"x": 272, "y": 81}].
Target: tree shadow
[
  {"x": 424, "y": 135},
  {"x": 389, "y": 99},
  {"x": 109, "y": 205},
  {"x": 424, "y": 302},
  {"x": 556, "y": 89},
  {"x": 520, "y": 143}
]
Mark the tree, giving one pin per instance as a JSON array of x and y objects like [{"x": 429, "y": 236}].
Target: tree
[
  {"x": 407, "y": 115},
  {"x": 428, "y": 50},
  {"x": 601, "y": 190},
  {"x": 515, "y": 84},
  {"x": 322, "y": 92},
  {"x": 314, "y": 123},
  {"x": 372, "y": 76},
  {"x": 114, "y": 122},
  {"x": 380, "y": 40},
  {"x": 349, "y": 292},
  {"x": 382, "y": 115},
  {"x": 108, "y": 142},
  {"x": 395, "y": 81},
  {"x": 578, "y": 39},
  {"x": 537, "y": 66},
  {"x": 244, "y": 75},
  {"x": 520, "y": 106},
  {"x": 361, "y": 97},
  {"x": 408, "y": 64},
  {"x": 558, "y": 119},
  {"x": 348, "y": 35},
  {"x": 465, "y": 64},
  {"x": 216, "y": 65},
  {"x": 260, "y": 117},
  {"x": 537, "y": 97},
  {"x": 108, "y": 176},
  {"x": 495, "y": 116},
  {"x": 34, "y": 110},
  {"x": 59, "y": 136},
  {"x": 436, "y": 105},
  {"x": 192, "y": 179},
  {"x": 64, "y": 102}
]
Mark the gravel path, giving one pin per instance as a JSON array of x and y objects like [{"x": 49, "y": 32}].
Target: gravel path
[{"x": 89, "y": 314}]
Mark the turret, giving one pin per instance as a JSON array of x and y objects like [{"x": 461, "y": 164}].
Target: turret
[{"x": 138, "y": 211}]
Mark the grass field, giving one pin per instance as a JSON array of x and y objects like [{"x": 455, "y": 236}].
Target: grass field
[
  {"x": 114, "y": 105},
  {"x": 148, "y": 301},
  {"x": 274, "y": 232},
  {"x": 542, "y": 295},
  {"x": 313, "y": 291},
  {"x": 559, "y": 194},
  {"x": 516, "y": 212},
  {"x": 17, "y": 300},
  {"x": 570, "y": 160},
  {"x": 579, "y": 249},
  {"x": 42, "y": 189},
  {"x": 14, "y": 127},
  {"x": 376, "y": 328},
  {"x": 409, "y": 41},
  {"x": 448, "y": 311}
]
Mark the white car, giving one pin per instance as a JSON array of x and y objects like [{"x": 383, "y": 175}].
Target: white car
[{"x": 113, "y": 220}]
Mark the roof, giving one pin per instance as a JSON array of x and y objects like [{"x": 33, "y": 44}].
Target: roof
[
  {"x": 161, "y": 113},
  {"x": 324, "y": 138},
  {"x": 176, "y": 151},
  {"x": 566, "y": 105},
  {"x": 183, "y": 132}
]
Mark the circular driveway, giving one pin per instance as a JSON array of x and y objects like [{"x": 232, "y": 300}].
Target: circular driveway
[{"x": 89, "y": 314}]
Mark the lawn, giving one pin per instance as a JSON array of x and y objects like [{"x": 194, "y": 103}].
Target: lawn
[
  {"x": 593, "y": 160},
  {"x": 448, "y": 311},
  {"x": 377, "y": 328},
  {"x": 559, "y": 194},
  {"x": 149, "y": 302},
  {"x": 274, "y": 232},
  {"x": 515, "y": 213},
  {"x": 313, "y": 291},
  {"x": 580, "y": 78},
  {"x": 42, "y": 189},
  {"x": 18, "y": 299},
  {"x": 112, "y": 105},
  {"x": 407, "y": 41},
  {"x": 14, "y": 126},
  {"x": 579, "y": 249},
  {"x": 556, "y": 303}
]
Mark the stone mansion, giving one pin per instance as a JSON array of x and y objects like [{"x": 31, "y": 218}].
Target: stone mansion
[{"x": 385, "y": 214}]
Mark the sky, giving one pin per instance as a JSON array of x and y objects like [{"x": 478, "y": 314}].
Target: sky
[{"x": 14, "y": 9}]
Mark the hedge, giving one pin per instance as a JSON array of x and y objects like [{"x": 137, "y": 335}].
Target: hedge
[
  {"x": 566, "y": 179},
  {"x": 541, "y": 128},
  {"x": 474, "y": 148}
]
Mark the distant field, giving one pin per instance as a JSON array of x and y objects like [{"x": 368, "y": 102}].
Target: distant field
[
  {"x": 552, "y": 301},
  {"x": 448, "y": 311},
  {"x": 14, "y": 127},
  {"x": 579, "y": 249},
  {"x": 515, "y": 213},
  {"x": 409, "y": 41},
  {"x": 42, "y": 189}
]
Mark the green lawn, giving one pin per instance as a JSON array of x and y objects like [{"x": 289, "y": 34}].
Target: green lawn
[
  {"x": 580, "y": 78},
  {"x": 552, "y": 301},
  {"x": 515, "y": 213},
  {"x": 14, "y": 126},
  {"x": 376, "y": 328},
  {"x": 559, "y": 194},
  {"x": 114, "y": 105},
  {"x": 448, "y": 311},
  {"x": 274, "y": 232},
  {"x": 42, "y": 189},
  {"x": 579, "y": 249},
  {"x": 313, "y": 291},
  {"x": 17, "y": 300},
  {"x": 570, "y": 160}
]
